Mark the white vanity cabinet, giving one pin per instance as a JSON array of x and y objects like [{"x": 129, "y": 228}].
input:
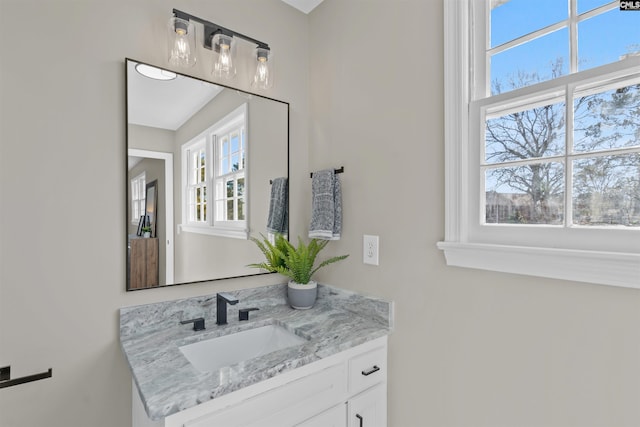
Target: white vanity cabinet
[{"x": 348, "y": 389}]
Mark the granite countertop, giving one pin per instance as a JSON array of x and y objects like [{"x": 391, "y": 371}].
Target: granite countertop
[{"x": 151, "y": 334}]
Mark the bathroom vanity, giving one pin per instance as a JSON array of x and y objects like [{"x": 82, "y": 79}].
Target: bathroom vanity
[{"x": 324, "y": 367}]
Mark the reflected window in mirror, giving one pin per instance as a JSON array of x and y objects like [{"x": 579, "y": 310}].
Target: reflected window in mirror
[
  {"x": 138, "y": 185},
  {"x": 195, "y": 182},
  {"x": 215, "y": 170},
  {"x": 230, "y": 152}
]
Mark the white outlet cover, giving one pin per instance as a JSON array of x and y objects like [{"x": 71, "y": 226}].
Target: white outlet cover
[{"x": 370, "y": 249}]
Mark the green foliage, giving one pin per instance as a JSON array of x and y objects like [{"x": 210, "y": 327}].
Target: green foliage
[
  {"x": 296, "y": 263},
  {"x": 274, "y": 254}
]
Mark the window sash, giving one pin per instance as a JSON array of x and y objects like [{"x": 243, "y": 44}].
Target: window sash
[
  {"x": 225, "y": 173},
  {"x": 196, "y": 182},
  {"x": 481, "y": 11},
  {"x": 138, "y": 197},
  {"x": 566, "y": 90}
]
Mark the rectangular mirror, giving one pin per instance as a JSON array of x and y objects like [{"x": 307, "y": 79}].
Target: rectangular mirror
[{"x": 211, "y": 153}]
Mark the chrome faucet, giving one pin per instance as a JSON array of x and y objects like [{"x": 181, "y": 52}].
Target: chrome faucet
[{"x": 222, "y": 299}]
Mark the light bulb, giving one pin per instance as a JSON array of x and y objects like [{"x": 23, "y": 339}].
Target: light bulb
[
  {"x": 224, "y": 65},
  {"x": 181, "y": 43},
  {"x": 263, "y": 77}
]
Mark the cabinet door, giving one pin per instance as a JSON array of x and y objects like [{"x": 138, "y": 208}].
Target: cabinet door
[
  {"x": 334, "y": 417},
  {"x": 369, "y": 408},
  {"x": 284, "y": 406}
]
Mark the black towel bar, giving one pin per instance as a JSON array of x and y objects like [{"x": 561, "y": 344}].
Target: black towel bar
[
  {"x": 6, "y": 374},
  {"x": 271, "y": 181},
  {"x": 341, "y": 170}
]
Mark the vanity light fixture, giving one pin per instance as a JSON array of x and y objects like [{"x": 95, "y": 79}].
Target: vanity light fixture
[
  {"x": 222, "y": 41},
  {"x": 224, "y": 64},
  {"x": 182, "y": 42},
  {"x": 263, "y": 77}
]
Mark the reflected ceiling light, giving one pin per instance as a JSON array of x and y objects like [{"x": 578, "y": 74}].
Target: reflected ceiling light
[
  {"x": 222, "y": 41},
  {"x": 155, "y": 73}
]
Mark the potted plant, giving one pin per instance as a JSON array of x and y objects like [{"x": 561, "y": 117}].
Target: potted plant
[
  {"x": 296, "y": 263},
  {"x": 146, "y": 231}
]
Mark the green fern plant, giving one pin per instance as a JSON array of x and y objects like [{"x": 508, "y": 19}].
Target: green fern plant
[
  {"x": 296, "y": 263},
  {"x": 274, "y": 254}
]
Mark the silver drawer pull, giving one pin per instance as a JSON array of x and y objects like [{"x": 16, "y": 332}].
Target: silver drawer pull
[{"x": 370, "y": 371}]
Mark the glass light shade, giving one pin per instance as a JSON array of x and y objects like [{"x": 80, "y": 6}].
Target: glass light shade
[
  {"x": 182, "y": 43},
  {"x": 224, "y": 62},
  {"x": 263, "y": 77}
]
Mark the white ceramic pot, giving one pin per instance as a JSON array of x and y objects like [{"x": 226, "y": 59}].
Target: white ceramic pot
[{"x": 302, "y": 297}]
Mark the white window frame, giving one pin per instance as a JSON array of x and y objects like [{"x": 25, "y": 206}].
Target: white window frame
[
  {"x": 208, "y": 138},
  {"x": 138, "y": 184},
  {"x": 197, "y": 145},
  {"x": 225, "y": 131},
  {"x": 548, "y": 255}
]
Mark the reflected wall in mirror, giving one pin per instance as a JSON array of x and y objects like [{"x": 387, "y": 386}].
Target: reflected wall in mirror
[{"x": 212, "y": 152}]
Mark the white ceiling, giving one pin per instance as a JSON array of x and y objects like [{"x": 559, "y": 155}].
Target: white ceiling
[{"x": 305, "y": 6}]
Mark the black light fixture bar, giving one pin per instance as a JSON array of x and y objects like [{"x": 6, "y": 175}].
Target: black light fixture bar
[{"x": 211, "y": 29}]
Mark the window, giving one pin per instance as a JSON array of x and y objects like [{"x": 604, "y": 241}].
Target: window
[
  {"x": 542, "y": 146},
  {"x": 196, "y": 189},
  {"x": 138, "y": 185},
  {"x": 214, "y": 178},
  {"x": 230, "y": 175}
]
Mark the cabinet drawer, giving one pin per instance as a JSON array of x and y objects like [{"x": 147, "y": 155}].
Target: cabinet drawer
[{"x": 367, "y": 369}]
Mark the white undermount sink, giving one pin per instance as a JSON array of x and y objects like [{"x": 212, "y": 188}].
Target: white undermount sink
[{"x": 215, "y": 353}]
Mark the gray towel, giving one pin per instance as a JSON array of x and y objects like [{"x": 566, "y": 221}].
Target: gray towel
[
  {"x": 278, "y": 221},
  {"x": 326, "y": 208}
]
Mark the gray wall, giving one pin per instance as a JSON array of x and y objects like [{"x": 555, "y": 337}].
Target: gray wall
[
  {"x": 470, "y": 348},
  {"x": 62, "y": 139}
]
